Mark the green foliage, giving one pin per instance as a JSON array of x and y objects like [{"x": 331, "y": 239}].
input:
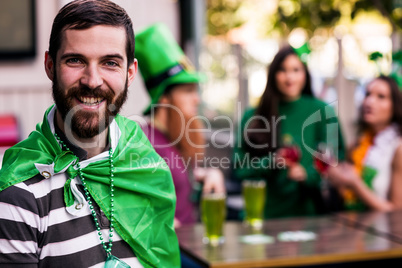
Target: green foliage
[
  {"x": 307, "y": 14},
  {"x": 391, "y": 9},
  {"x": 224, "y": 15}
]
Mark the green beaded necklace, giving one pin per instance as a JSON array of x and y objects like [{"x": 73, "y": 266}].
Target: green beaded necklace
[
  {"x": 107, "y": 248},
  {"x": 111, "y": 261}
]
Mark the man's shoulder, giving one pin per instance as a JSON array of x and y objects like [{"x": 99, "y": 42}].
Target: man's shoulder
[
  {"x": 25, "y": 185},
  {"x": 20, "y": 194},
  {"x": 126, "y": 122},
  {"x": 38, "y": 194},
  {"x": 38, "y": 183}
]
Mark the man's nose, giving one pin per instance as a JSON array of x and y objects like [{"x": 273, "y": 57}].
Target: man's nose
[{"x": 92, "y": 77}]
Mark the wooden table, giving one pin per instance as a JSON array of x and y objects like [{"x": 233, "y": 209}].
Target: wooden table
[
  {"x": 334, "y": 242},
  {"x": 386, "y": 224}
]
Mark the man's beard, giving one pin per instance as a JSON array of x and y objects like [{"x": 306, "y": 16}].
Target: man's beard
[
  {"x": 86, "y": 124},
  {"x": 191, "y": 144}
]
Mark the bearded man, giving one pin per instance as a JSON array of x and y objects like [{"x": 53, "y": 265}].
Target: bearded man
[
  {"x": 71, "y": 194},
  {"x": 175, "y": 128}
]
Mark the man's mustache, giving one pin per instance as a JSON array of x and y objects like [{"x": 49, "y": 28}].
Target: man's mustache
[{"x": 84, "y": 91}]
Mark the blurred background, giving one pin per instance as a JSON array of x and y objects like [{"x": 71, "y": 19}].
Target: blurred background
[{"x": 231, "y": 41}]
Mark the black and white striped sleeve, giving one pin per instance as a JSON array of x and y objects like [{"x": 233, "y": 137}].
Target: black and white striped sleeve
[{"x": 19, "y": 223}]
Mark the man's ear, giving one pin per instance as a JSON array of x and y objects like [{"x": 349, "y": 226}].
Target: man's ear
[
  {"x": 49, "y": 66},
  {"x": 132, "y": 71}
]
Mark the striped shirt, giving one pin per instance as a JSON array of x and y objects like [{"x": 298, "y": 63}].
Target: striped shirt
[{"x": 36, "y": 230}]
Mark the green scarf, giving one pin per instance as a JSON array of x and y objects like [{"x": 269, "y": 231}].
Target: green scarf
[{"x": 144, "y": 193}]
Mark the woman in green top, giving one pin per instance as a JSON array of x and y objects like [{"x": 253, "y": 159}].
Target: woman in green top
[{"x": 287, "y": 114}]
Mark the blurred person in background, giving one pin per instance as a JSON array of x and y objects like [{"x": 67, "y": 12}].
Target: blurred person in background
[
  {"x": 71, "y": 196},
  {"x": 279, "y": 137},
  {"x": 174, "y": 128},
  {"x": 372, "y": 179}
]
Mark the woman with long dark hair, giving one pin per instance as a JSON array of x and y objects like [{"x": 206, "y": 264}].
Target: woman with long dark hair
[
  {"x": 373, "y": 178},
  {"x": 281, "y": 135}
]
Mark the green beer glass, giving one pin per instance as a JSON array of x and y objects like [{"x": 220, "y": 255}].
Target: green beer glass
[
  {"x": 254, "y": 193},
  {"x": 213, "y": 215}
]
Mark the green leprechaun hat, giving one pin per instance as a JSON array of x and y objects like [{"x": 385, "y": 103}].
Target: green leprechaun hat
[{"x": 162, "y": 62}]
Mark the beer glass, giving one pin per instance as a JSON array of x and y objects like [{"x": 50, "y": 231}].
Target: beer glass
[
  {"x": 213, "y": 215},
  {"x": 254, "y": 193}
]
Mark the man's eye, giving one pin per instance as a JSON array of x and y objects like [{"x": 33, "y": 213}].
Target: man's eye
[
  {"x": 73, "y": 61},
  {"x": 111, "y": 64}
]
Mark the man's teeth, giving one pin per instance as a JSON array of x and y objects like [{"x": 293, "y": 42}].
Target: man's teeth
[{"x": 90, "y": 100}]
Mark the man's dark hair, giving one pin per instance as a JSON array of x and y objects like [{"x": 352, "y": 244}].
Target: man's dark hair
[{"x": 84, "y": 14}]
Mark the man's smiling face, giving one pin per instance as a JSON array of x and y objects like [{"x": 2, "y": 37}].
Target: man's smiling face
[{"x": 90, "y": 77}]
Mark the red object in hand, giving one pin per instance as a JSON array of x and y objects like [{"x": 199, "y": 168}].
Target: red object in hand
[
  {"x": 320, "y": 165},
  {"x": 292, "y": 153}
]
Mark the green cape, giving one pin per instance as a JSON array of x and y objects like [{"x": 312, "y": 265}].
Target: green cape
[{"x": 144, "y": 193}]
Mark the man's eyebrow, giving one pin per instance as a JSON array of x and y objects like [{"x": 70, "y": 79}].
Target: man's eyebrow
[
  {"x": 114, "y": 56},
  {"x": 71, "y": 55},
  {"x": 77, "y": 55}
]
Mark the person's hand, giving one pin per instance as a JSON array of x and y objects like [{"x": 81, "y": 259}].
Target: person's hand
[
  {"x": 343, "y": 175},
  {"x": 287, "y": 156},
  {"x": 297, "y": 172},
  {"x": 213, "y": 179}
]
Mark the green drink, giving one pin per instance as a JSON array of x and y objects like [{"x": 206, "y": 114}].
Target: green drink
[
  {"x": 213, "y": 214},
  {"x": 254, "y": 193}
]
